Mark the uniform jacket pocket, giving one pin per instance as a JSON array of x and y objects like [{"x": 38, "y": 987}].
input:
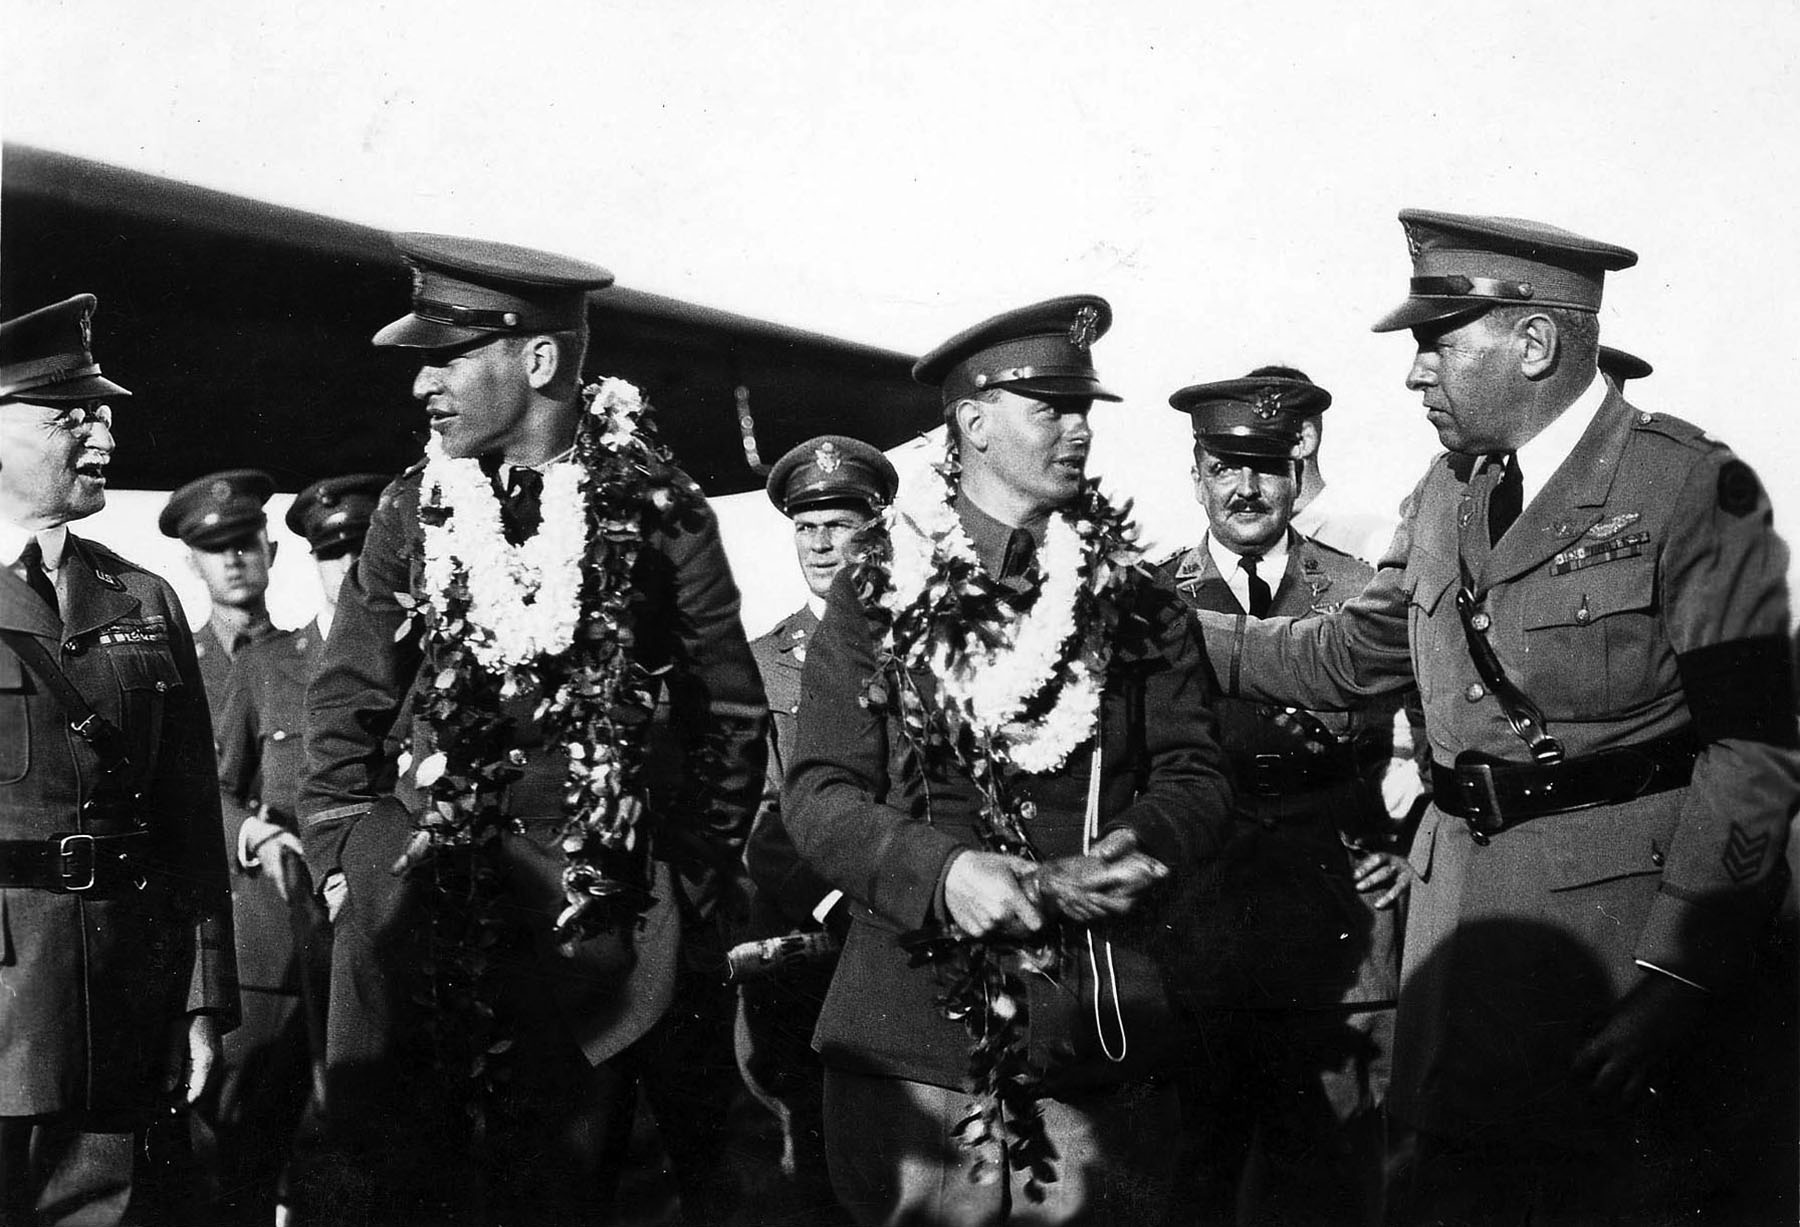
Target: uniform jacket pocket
[{"x": 15, "y": 741}]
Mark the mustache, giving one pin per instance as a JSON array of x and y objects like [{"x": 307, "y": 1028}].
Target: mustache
[{"x": 1236, "y": 505}]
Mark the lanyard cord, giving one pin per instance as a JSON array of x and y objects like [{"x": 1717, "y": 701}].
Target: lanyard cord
[{"x": 1089, "y": 832}]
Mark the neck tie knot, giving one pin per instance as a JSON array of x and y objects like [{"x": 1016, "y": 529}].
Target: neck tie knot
[
  {"x": 521, "y": 507},
  {"x": 32, "y": 559},
  {"x": 1507, "y": 499}
]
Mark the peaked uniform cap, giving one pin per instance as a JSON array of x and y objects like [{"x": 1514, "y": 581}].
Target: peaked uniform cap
[
  {"x": 1040, "y": 351},
  {"x": 333, "y": 515},
  {"x": 1464, "y": 264},
  {"x": 48, "y": 354},
  {"x": 832, "y": 469},
  {"x": 471, "y": 289},
  {"x": 218, "y": 509},
  {"x": 1621, "y": 364},
  {"x": 1254, "y": 416}
]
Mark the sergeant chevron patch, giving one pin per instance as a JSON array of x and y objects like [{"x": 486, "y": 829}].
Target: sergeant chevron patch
[{"x": 1743, "y": 855}]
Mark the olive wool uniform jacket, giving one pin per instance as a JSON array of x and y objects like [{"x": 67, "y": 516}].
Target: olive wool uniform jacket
[
  {"x": 1642, "y": 592},
  {"x": 90, "y": 983}
]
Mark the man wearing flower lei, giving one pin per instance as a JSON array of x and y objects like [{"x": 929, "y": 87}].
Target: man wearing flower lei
[
  {"x": 1292, "y": 957},
  {"x": 1005, "y": 755},
  {"x": 517, "y": 890}
]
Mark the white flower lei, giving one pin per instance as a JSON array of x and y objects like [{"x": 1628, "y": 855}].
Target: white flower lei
[
  {"x": 1037, "y": 647},
  {"x": 524, "y": 600}
]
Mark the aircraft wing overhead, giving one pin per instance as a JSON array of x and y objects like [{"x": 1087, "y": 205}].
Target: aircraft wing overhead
[{"x": 242, "y": 328}]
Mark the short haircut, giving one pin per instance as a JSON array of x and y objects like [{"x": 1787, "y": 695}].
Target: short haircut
[{"x": 1577, "y": 332}]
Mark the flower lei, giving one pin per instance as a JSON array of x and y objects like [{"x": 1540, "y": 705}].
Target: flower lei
[
  {"x": 549, "y": 617},
  {"x": 1018, "y": 681}
]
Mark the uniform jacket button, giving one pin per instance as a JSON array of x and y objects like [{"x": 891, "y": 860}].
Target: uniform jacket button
[
  {"x": 1481, "y": 621},
  {"x": 278, "y": 735},
  {"x": 1475, "y": 693}
]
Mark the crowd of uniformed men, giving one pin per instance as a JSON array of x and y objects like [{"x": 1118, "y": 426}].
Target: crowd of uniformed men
[{"x": 1416, "y": 872}]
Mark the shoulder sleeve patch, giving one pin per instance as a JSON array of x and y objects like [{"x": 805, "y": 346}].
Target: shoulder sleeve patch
[{"x": 1738, "y": 488}]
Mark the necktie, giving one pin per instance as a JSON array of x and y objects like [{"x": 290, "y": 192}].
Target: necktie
[
  {"x": 1021, "y": 552},
  {"x": 38, "y": 578},
  {"x": 1507, "y": 499},
  {"x": 521, "y": 509},
  {"x": 1260, "y": 596}
]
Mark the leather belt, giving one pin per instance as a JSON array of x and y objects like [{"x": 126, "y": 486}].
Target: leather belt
[
  {"x": 74, "y": 864},
  {"x": 1285, "y": 775},
  {"x": 1490, "y": 796}
]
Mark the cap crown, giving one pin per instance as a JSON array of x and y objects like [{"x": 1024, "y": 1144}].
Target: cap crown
[
  {"x": 465, "y": 289},
  {"x": 1041, "y": 351},
  {"x": 1256, "y": 415},
  {"x": 334, "y": 514},
  {"x": 831, "y": 468},
  {"x": 47, "y": 354},
  {"x": 218, "y": 509}
]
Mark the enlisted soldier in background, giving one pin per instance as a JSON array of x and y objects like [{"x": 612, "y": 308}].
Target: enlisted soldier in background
[
  {"x": 248, "y": 1130},
  {"x": 220, "y": 519},
  {"x": 115, "y": 923},
  {"x": 1322, "y": 512},
  {"x": 501, "y": 333},
  {"x": 1294, "y": 949},
  {"x": 1593, "y": 602},
  {"x": 832, "y": 488}
]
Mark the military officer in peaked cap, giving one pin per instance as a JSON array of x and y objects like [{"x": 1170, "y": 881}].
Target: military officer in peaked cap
[
  {"x": 501, "y": 334},
  {"x": 115, "y": 922},
  {"x": 832, "y": 488},
  {"x": 220, "y": 518},
  {"x": 1293, "y": 947},
  {"x": 1593, "y": 604},
  {"x": 901, "y": 837},
  {"x": 248, "y": 1130},
  {"x": 1620, "y": 365}
]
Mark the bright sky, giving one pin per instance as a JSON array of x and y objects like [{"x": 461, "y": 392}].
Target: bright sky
[{"x": 1227, "y": 174}]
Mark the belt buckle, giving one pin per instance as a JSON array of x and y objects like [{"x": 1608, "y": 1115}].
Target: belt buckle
[
  {"x": 67, "y": 853},
  {"x": 1476, "y": 783},
  {"x": 1265, "y": 774}
]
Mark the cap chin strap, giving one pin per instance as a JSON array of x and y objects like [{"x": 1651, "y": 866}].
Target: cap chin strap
[{"x": 1456, "y": 285}]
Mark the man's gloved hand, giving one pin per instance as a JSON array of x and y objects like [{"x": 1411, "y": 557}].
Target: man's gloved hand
[{"x": 261, "y": 845}]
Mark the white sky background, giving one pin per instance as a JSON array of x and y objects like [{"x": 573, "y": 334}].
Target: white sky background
[{"x": 1227, "y": 175}]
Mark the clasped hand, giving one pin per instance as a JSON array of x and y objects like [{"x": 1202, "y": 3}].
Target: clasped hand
[{"x": 992, "y": 894}]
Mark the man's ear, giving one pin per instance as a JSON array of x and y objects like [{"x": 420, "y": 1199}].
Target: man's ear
[
  {"x": 273, "y": 547},
  {"x": 193, "y": 561},
  {"x": 972, "y": 422},
  {"x": 1309, "y": 438},
  {"x": 1539, "y": 345},
  {"x": 1194, "y": 476},
  {"x": 541, "y": 357}
]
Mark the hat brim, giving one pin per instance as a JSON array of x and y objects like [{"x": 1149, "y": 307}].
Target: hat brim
[
  {"x": 86, "y": 387},
  {"x": 1416, "y": 311},
  {"x": 1281, "y": 447},
  {"x": 1059, "y": 387},
  {"x": 412, "y": 332},
  {"x": 218, "y": 536}
]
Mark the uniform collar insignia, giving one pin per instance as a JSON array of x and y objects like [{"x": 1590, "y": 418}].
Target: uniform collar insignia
[
  {"x": 1190, "y": 565},
  {"x": 109, "y": 579}
]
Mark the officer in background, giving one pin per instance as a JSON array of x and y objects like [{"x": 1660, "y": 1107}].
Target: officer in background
[
  {"x": 248, "y": 1130},
  {"x": 1294, "y": 947},
  {"x": 115, "y": 923},
  {"x": 832, "y": 488},
  {"x": 220, "y": 519},
  {"x": 1619, "y": 365},
  {"x": 1593, "y": 602},
  {"x": 500, "y": 334}
]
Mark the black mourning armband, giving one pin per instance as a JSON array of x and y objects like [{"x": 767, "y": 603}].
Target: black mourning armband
[{"x": 1742, "y": 689}]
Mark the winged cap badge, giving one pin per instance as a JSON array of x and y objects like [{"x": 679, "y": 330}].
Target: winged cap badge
[
  {"x": 418, "y": 280},
  {"x": 1267, "y": 403},
  {"x": 826, "y": 457},
  {"x": 1412, "y": 240},
  {"x": 1084, "y": 327},
  {"x": 87, "y": 332}
]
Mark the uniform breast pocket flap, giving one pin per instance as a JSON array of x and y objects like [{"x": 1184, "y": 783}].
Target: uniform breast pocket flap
[
  {"x": 1427, "y": 584},
  {"x": 1613, "y": 841},
  {"x": 1585, "y": 598},
  {"x": 146, "y": 679},
  {"x": 15, "y": 727}
]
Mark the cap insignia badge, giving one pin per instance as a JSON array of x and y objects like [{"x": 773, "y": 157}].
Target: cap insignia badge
[
  {"x": 1084, "y": 327},
  {"x": 1267, "y": 403},
  {"x": 87, "y": 332},
  {"x": 1412, "y": 240},
  {"x": 219, "y": 491},
  {"x": 826, "y": 457},
  {"x": 418, "y": 280}
]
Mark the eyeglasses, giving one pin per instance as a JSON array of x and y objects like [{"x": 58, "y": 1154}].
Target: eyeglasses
[{"x": 81, "y": 418}]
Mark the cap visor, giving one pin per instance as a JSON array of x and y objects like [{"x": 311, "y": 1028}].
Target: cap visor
[
  {"x": 1059, "y": 387},
  {"x": 411, "y": 332},
  {"x": 87, "y": 387},
  {"x": 1416, "y": 311},
  {"x": 1261, "y": 446}
]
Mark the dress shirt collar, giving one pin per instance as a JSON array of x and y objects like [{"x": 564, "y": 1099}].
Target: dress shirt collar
[
  {"x": 52, "y": 541},
  {"x": 543, "y": 466},
  {"x": 1003, "y": 550},
  {"x": 1540, "y": 457},
  {"x": 1272, "y": 565},
  {"x": 817, "y": 605}
]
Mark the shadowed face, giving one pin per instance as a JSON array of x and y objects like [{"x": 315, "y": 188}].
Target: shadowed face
[
  {"x": 237, "y": 574},
  {"x": 822, "y": 538},
  {"x": 477, "y": 396},
  {"x": 1468, "y": 374},
  {"x": 53, "y": 458},
  {"x": 1248, "y": 499},
  {"x": 1037, "y": 449}
]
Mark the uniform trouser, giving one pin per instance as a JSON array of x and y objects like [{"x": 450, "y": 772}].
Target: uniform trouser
[
  {"x": 55, "y": 1173},
  {"x": 244, "y": 1133},
  {"x": 895, "y": 1159},
  {"x": 1282, "y": 1119},
  {"x": 776, "y": 1018}
]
